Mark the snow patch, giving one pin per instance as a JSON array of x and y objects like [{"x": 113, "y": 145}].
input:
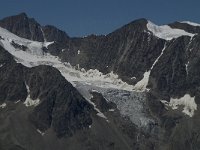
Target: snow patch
[
  {"x": 43, "y": 34},
  {"x": 111, "y": 110},
  {"x": 95, "y": 91},
  {"x": 29, "y": 102},
  {"x": 141, "y": 85},
  {"x": 186, "y": 67},
  {"x": 17, "y": 101},
  {"x": 42, "y": 133},
  {"x": 3, "y": 105},
  {"x": 46, "y": 44},
  {"x": 191, "y": 23},
  {"x": 100, "y": 114},
  {"x": 133, "y": 78},
  {"x": 166, "y": 32},
  {"x": 188, "y": 103},
  {"x": 1, "y": 65}
]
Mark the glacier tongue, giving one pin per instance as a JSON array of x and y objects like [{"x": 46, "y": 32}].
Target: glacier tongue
[{"x": 130, "y": 103}]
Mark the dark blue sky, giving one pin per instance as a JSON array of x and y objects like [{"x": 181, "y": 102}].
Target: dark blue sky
[{"x": 83, "y": 17}]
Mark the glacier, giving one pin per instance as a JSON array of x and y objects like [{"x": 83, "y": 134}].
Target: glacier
[{"x": 129, "y": 102}]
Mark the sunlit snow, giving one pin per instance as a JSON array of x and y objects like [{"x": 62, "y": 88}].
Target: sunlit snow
[
  {"x": 29, "y": 102},
  {"x": 191, "y": 23},
  {"x": 42, "y": 133},
  {"x": 35, "y": 56},
  {"x": 17, "y": 101},
  {"x": 1, "y": 65},
  {"x": 188, "y": 103},
  {"x": 166, "y": 32},
  {"x": 3, "y": 105},
  {"x": 141, "y": 85}
]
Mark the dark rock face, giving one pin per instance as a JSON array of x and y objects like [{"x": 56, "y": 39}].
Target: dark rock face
[
  {"x": 61, "y": 106},
  {"x": 101, "y": 102},
  {"x": 193, "y": 65},
  {"x": 52, "y": 33},
  {"x": 11, "y": 73},
  {"x": 60, "y": 38},
  {"x": 23, "y": 26},
  {"x": 175, "y": 74},
  {"x": 169, "y": 75},
  {"x": 17, "y": 46},
  {"x": 177, "y": 71},
  {"x": 186, "y": 27}
]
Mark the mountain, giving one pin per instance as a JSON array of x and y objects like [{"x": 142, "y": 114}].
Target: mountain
[{"x": 135, "y": 88}]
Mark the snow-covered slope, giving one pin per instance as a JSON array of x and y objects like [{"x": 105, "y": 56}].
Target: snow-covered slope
[
  {"x": 166, "y": 32},
  {"x": 35, "y": 56},
  {"x": 191, "y": 23}
]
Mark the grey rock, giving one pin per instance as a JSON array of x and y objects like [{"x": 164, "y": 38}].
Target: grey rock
[
  {"x": 23, "y": 26},
  {"x": 61, "y": 106}
]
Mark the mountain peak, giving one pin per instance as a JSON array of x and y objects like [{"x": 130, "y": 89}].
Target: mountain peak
[
  {"x": 23, "y": 14},
  {"x": 136, "y": 25},
  {"x": 23, "y": 26},
  {"x": 29, "y": 28},
  {"x": 52, "y": 33},
  {"x": 142, "y": 22}
]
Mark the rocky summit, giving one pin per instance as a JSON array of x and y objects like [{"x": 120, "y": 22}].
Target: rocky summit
[{"x": 136, "y": 88}]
